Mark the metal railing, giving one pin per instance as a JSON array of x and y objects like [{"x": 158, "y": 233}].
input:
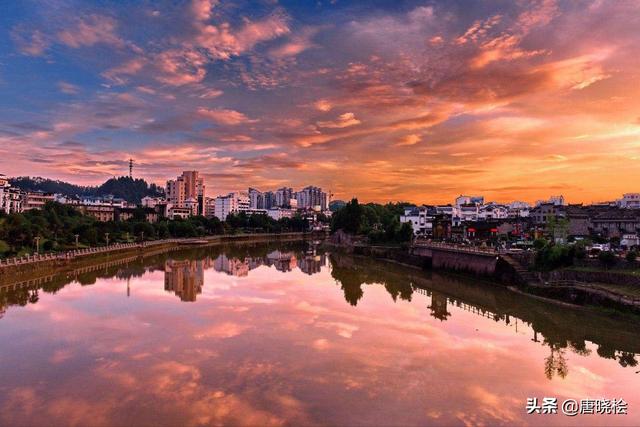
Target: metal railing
[
  {"x": 35, "y": 258},
  {"x": 458, "y": 248}
]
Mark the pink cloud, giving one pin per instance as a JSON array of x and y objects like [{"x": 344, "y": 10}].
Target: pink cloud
[
  {"x": 296, "y": 44},
  {"x": 225, "y": 117},
  {"x": 202, "y": 9},
  {"x": 130, "y": 67},
  {"x": 68, "y": 88},
  {"x": 92, "y": 30},
  {"x": 33, "y": 44},
  {"x": 179, "y": 67},
  {"x": 222, "y": 41}
]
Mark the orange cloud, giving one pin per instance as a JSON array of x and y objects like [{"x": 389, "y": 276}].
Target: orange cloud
[{"x": 343, "y": 121}]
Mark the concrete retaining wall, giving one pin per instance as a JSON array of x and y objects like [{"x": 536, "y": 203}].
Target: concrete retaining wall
[{"x": 595, "y": 277}]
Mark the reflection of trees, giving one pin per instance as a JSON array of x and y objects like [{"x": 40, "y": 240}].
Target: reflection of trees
[
  {"x": 350, "y": 281},
  {"x": 627, "y": 359},
  {"x": 624, "y": 358},
  {"x": 580, "y": 348},
  {"x": 556, "y": 363},
  {"x": 352, "y": 276}
]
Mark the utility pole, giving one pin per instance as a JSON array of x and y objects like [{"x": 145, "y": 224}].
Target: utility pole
[{"x": 37, "y": 239}]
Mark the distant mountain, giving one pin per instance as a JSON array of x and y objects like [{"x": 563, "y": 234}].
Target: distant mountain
[
  {"x": 129, "y": 189},
  {"x": 46, "y": 185},
  {"x": 132, "y": 190}
]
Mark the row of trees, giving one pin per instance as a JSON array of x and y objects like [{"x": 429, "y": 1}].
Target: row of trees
[
  {"x": 62, "y": 227},
  {"x": 380, "y": 223}
]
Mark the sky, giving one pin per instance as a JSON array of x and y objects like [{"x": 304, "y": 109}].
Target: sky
[{"x": 384, "y": 100}]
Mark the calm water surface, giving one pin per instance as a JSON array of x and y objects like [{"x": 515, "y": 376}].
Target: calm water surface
[{"x": 272, "y": 335}]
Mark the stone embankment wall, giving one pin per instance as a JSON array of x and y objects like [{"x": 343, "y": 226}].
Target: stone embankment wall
[
  {"x": 612, "y": 277},
  {"x": 481, "y": 265}
]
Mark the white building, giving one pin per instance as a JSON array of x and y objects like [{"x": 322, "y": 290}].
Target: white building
[
  {"x": 104, "y": 201},
  {"x": 492, "y": 211},
  {"x": 553, "y": 200},
  {"x": 518, "y": 209},
  {"x": 421, "y": 219},
  {"x": 151, "y": 202},
  {"x": 176, "y": 212},
  {"x": 279, "y": 213},
  {"x": 469, "y": 200},
  {"x": 11, "y": 199},
  {"x": 630, "y": 201},
  {"x": 630, "y": 240},
  {"x": 231, "y": 203},
  {"x": 468, "y": 212}
]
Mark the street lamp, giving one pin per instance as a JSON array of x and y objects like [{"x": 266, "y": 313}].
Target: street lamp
[
  {"x": 76, "y": 236},
  {"x": 37, "y": 239},
  {"x": 106, "y": 235},
  {"x": 142, "y": 237}
]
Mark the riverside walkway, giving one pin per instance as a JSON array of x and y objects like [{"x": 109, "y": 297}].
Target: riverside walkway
[{"x": 80, "y": 253}]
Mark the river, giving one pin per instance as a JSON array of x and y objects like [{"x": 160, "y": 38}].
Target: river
[{"x": 288, "y": 334}]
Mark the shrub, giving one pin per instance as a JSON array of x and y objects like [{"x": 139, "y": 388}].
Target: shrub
[
  {"x": 580, "y": 251},
  {"x": 538, "y": 244},
  {"x": 631, "y": 256},
  {"x": 608, "y": 259},
  {"x": 553, "y": 256}
]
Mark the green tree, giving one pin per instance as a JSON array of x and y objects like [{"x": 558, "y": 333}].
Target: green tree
[{"x": 608, "y": 259}]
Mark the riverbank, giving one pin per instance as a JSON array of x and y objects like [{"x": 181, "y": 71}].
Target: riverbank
[
  {"x": 588, "y": 292},
  {"x": 29, "y": 266}
]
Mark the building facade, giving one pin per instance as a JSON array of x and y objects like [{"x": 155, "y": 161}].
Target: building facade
[
  {"x": 311, "y": 198},
  {"x": 187, "y": 189}
]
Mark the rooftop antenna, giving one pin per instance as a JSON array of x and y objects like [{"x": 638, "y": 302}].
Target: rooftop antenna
[{"x": 131, "y": 168}]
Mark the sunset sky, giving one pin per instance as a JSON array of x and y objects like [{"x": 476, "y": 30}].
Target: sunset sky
[{"x": 384, "y": 100}]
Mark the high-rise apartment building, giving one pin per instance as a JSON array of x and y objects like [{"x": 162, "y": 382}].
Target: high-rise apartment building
[
  {"x": 256, "y": 199},
  {"x": 311, "y": 198},
  {"x": 283, "y": 196},
  {"x": 231, "y": 203},
  {"x": 187, "y": 189}
]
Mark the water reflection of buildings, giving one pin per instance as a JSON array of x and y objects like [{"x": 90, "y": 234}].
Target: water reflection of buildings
[
  {"x": 312, "y": 262},
  {"x": 185, "y": 278},
  {"x": 282, "y": 261},
  {"x": 439, "y": 306},
  {"x": 309, "y": 263},
  {"x": 233, "y": 266}
]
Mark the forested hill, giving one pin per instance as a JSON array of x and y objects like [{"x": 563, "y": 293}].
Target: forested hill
[{"x": 132, "y": 190}]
